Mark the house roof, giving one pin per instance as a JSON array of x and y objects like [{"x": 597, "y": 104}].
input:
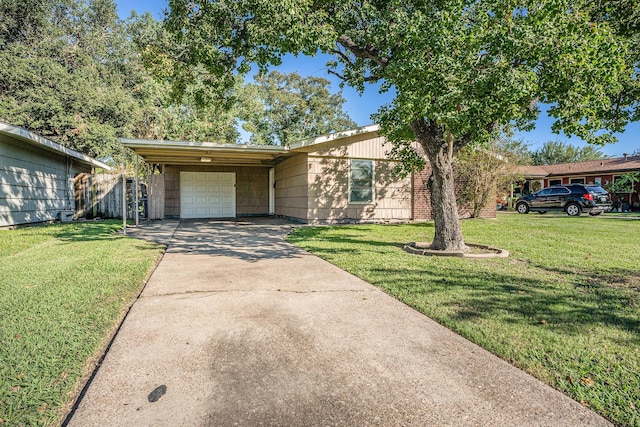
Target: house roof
[
  {"x": 191, "y": 153},
  {"x": 532, "y": 171},
  {"x": 616, "y": 165},
  {"x": 619, "y": 164},
  {"x": 30, "y": 138}
]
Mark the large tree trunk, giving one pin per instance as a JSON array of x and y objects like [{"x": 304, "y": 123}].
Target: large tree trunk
[{"x": 439, "y": 149}]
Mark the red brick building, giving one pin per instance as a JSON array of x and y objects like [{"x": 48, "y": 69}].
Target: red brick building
[{"x": 601, "y": 172}]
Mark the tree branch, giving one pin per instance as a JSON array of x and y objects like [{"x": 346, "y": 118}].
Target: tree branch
[
  {"x": 367, "y": 79},
  {"x": 342, "y": 55},
  {"x": 338, "y": 75},
  {"x": 361, "y": 52}
]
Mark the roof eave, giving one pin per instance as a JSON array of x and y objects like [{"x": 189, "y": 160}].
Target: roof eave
[
  {"x": 334, "y": 136},
  {"x": 199, "y": 146},
  {"x": 36, "y": 140}
]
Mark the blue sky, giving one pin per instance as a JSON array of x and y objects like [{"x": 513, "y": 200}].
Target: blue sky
[{"x": 360, "y": 107}]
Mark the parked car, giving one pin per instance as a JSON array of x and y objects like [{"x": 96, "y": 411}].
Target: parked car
[{"x": 574, "y": 199}]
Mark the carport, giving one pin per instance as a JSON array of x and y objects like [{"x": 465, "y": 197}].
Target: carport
[{"x": 208, "y": 180}]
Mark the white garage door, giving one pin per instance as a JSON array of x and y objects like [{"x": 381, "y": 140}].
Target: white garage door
[{"x": 207, "y": 194}]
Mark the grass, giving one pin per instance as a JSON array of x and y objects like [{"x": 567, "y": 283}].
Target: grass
[
  {"x": 623, "y": 214},
  {"x": 63, "y": 289},
  {"x": 564, "y": 307}
]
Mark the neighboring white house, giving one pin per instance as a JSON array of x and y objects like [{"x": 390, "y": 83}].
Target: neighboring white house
[{"x": 37, "y": 177}]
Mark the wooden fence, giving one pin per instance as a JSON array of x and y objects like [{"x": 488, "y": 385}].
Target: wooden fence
[{"x": 100, "y": 195}]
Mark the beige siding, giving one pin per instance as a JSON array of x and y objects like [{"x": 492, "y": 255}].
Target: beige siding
[
  {"x": 252, "y": 188},
  {"x": 329, "y": 194},
  {"x": 35, "y": 185},
  {"x": 291, "y": 193},
  {"x": 329, "y": 182},
  {"x": 365, "y": 146}
]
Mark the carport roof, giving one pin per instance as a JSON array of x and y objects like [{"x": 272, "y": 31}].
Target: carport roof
[
  {"x": 205, "y": 153},
  {"x": 210, "y": 153}
]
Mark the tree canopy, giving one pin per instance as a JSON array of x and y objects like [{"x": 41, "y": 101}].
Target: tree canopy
[
  {"x": 283, "y": 108},
  {"x": 461, "y": 70},
  {"x": 75, "y": 72},
  {"x": 554, "y": 152}
]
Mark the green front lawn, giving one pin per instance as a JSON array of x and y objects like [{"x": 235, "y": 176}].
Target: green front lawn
[
  {"x": 623, "y": 214},
  {"x": 63, "y": 289},
  {"x": 564, "y": 307}
]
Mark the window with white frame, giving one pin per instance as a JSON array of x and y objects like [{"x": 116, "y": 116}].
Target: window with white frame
[
  {"x": 555, "y": 182},
  {"x": 576, "y": 180},
  {"x": 361, "y": 181}
]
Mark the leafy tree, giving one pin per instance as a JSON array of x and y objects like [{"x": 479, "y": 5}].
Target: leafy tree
[
  {"x": 282, "y": 108},
  {"x": 461, "y": 70},
  {"x": 22, "y": 20},
  {"x": 623, "y": 185},
  {"x": 624, "y": 18},
  {"x": 63, "y": 78},
  {"x": 193, "y": 114},
  {"x": 554, "y": 152},
  {"x": 75, "y": 72},
  {"x": 481, "y": 170}
]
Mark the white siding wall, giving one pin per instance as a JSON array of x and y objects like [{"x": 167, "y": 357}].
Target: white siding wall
[{"x": 35, "y": 185}]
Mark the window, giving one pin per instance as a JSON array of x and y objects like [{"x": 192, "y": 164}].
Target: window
[
  {"x": 559, "y": 190},
  {"x": 555, "y": 181},
  {"x": 577, "y": 181},
  {"x": 361, "y": 181}
]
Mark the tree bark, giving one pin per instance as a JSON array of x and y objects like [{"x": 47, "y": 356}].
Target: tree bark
[{"x": 439, "y": 148}]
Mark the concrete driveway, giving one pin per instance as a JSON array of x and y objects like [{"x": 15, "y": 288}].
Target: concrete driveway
[{"x": 237, "y": 327}]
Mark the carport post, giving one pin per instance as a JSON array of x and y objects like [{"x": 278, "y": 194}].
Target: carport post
[{"x": 124, "y": 202}]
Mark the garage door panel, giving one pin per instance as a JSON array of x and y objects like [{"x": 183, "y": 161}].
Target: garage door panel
[{"x": 207, "y": 194}]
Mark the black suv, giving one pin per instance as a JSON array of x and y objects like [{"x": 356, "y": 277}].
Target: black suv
[{"x": 572, "y": 199}]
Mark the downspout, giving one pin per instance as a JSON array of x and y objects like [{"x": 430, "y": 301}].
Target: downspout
[
  {"x": 124, "y": 202},
  {"x": 67, "y": 192}
]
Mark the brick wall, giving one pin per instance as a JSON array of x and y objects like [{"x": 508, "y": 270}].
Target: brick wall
[{"x": 421, "y": 209}]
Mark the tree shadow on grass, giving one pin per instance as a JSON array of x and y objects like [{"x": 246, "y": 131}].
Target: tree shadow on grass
[
  {"x": 568, "y": 300},
  {"x": 515, "y": 299},
  {"x": 347, "y": 234},
  {"x": 87, "y": 231}
]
